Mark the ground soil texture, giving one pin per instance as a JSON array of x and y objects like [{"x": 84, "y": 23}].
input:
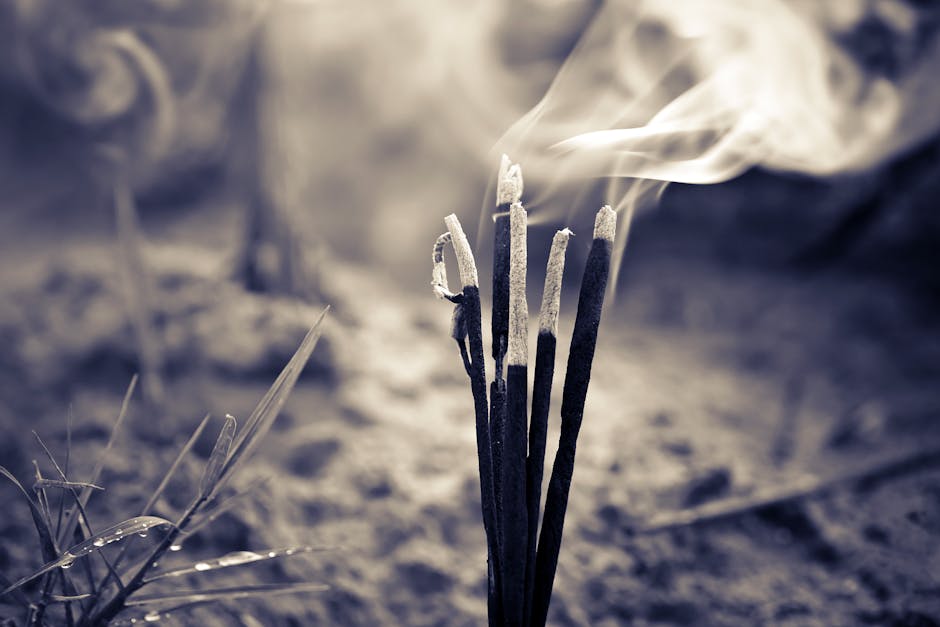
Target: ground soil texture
[{"x": 714, "y": 379}]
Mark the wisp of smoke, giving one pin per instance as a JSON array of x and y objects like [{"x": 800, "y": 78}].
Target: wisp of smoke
[{"x": 699, "y": 92}]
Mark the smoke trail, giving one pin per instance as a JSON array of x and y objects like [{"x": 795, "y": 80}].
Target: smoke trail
[{"x": 699, "y": 92}]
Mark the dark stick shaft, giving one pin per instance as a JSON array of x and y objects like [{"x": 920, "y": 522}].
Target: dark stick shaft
[
  {"x": 497, "y": 435},
  {"x": 577, "y": 377},
  {"x": 481, "y": 411},
  {"x": 541, "y": 400},
  {"x": 484, "y": 450},
  {"x": 535, "y": 464},
  {"x": 515, "y": 526},
  {"x": 473, "y": 317},
  {"x": 500, "y": 332}
]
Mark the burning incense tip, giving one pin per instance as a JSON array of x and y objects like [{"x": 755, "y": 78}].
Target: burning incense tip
[
  {"x": 509, "y": 182},
  {"x": 551, "y": 296},
  {"x": 605, "y": 224},
  {"x": 465, "y": 262},
  {"x": 518, "y": 307},
  {"x": 439, "y": 269}
]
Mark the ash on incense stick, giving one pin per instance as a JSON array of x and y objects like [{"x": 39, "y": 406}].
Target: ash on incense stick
[{"x": 522, "y": 558}]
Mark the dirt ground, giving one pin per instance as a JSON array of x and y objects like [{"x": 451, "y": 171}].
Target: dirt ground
[
  {"x": 722, "y": 376},
  {"x": 760, "y": 443}
]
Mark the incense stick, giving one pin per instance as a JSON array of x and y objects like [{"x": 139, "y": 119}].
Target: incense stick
[
  {"x": 472, "y": 316},
  {"x": 497, "y": 435},
  {"x": 513, "y": 510},
  {"x": 508, "y": 191},
  {"x": 577, "y": 377},
  {"x": 541, "y": 399}
]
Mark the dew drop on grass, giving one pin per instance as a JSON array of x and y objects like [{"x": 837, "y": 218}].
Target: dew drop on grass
[
  {"x": 142, "y": 534},
  {"x": 99, "y": 542},
  {"x": 202, "y": 566},
  {"x": 176, "y": 547},
  {"x": 66, "y": 565},
  {"x": 272, "y": 554},
  {"x": 152, "y": 617}
]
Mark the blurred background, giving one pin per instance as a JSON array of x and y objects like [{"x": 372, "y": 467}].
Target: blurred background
[{"x": 183, "y": 185}]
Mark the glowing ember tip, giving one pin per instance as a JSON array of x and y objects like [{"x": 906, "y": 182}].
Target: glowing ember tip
[
  {"x": 509, "y": 182},
  {"x": 605, "y": 224}
]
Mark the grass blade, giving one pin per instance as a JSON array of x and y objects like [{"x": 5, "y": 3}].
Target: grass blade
[
  {"x": 17, "y": 594},
  {"x": 218, "y": 457},
  {"x": 225, "y": 594},
  {"x": 239, "y": 558},
  {"x": 60, "y": 598},
  {"x": 271, "y": 403},
  {"x": 175, "y": 466},
  {"x": 114, "y": 533},
  {"x": 69, "y": 527},
  {"x": 225, "y": 505},
  {"x": 152, "y": 501},
  {"x": 46, "y": 541},
  {"x": 78, "y": 503},
  {"x": 137, "y": 284},
  {"x": 42, "y": 484}
]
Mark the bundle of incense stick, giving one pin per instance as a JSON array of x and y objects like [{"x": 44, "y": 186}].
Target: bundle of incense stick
[{"x": 522, "y": 560}]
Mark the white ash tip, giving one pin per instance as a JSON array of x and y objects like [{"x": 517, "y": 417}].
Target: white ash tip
[
  {"x": 504, "y": 163},
  {"x": 465, "y": 262},
  {"x": 605, "y": 224},
  {"x": 509, "y": 183}
]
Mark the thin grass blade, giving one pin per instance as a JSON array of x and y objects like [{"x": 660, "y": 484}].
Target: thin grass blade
[
  {"x": 99, "y": 465},
  {"x": 42, "y": 484},
  {"x": 226, "y": 594},
  {"x": 68, "y": 461},
  {"x": 239, "y": 558},
  {"x": 46, "y": 541},
  {"x": 175, "y": 466},
  {"x": 59, "y": 598},
  {"x": 156, "y": 615},
  {"x": 114, "y": 533},
  {"x": 271, "y": 403},
  {"x": 218, "y": 457},
  {"x": 227, "y": 504},
  {"x": 17, "y": 594},
  {"x": 64, "y": 480}
]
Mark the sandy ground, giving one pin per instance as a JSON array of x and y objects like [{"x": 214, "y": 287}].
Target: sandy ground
[
  {"x": 713, "y": 381},
  {"x": 723, "y": 376}
]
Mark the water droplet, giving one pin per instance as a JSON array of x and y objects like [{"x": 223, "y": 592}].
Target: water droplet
[
  {"x": 202, "y": 566},
  {"x": 154, "y": 565},
  {"x": 176, "y": 547},
  {"x": 99, "y": 542},
  {"x": 152, "y": 617},
  {"x": 66, "y": 564},
  {"x": 133, "y": 620},
  {"x": 289, "y": 552},
  {"x": 272, "y": 554},
  {"x": 142, "y": 534},
  {"x": 119, "y": 531}
]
